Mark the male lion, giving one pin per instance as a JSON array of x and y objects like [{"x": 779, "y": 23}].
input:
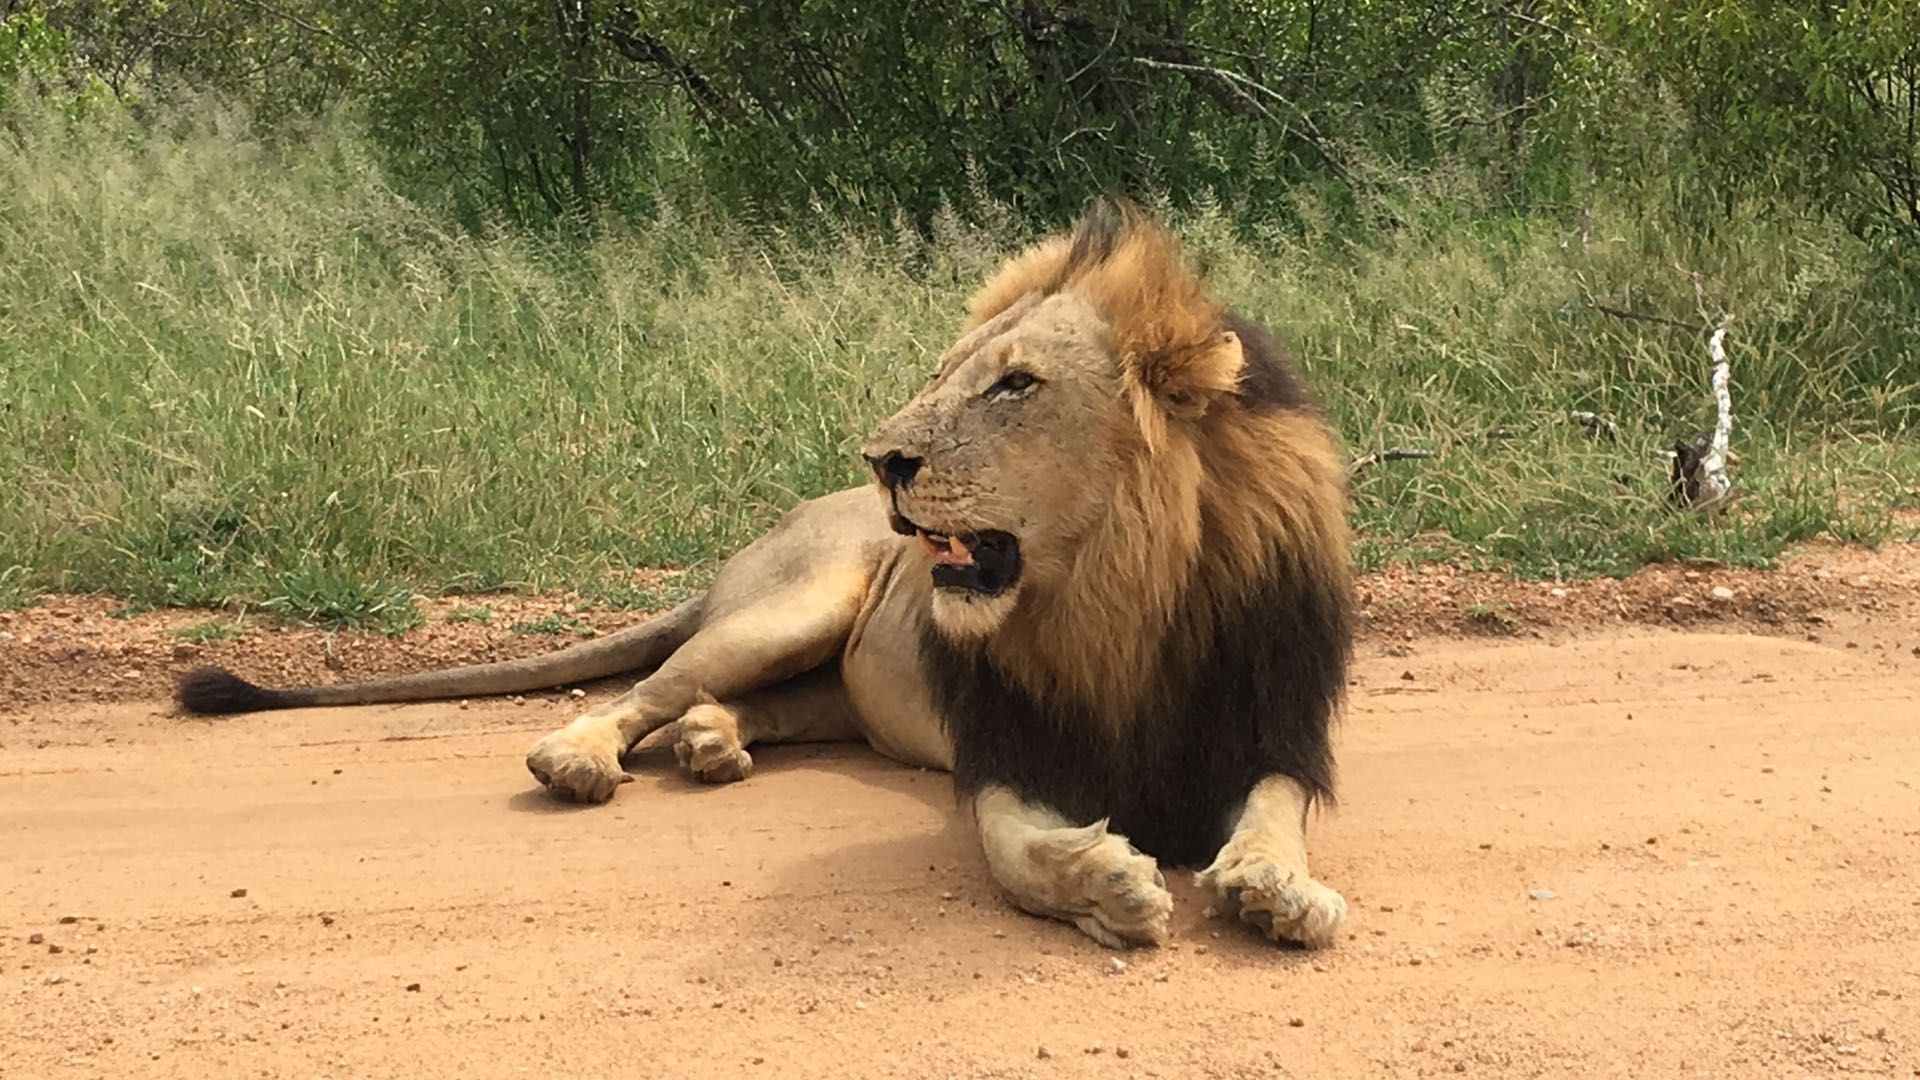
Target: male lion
[{"x": 1105, "y": 583}]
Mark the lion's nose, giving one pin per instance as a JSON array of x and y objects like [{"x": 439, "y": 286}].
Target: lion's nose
[{"x": 895, "y": 469}]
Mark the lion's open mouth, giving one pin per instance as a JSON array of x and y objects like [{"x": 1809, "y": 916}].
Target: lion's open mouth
[{"x": 986, "y": 563}]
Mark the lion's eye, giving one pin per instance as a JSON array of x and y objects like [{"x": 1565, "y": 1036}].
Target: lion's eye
[{"x": 1013, "y": 382}]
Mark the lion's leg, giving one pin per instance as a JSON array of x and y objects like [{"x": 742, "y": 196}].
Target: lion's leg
[
  {"x": 1262, "y": 869},
  {"x": 714, "y": 736},
  {"x": 763, "y": 644},
  {"x": 1086, "y": 875}
]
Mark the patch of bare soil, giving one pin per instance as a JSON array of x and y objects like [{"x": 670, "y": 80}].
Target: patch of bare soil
[
  {"x": 74, "y": 648},
  {"x": 1637, "y": 829}
]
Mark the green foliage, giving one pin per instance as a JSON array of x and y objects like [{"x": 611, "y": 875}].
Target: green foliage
[
  {"x": 245, "y": 371},
  {"x": 481, "y": 614},
  {"x": 1821, "y": 100},
  {"x": 209, "y": 632},
  {"x": 553, "y": 624},
  {"x": 772, "y": 111}
]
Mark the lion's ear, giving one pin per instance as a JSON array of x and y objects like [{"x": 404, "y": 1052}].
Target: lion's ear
[{"x": 1186, "y": 382}]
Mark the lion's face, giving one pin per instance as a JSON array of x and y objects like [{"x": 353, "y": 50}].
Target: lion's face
[{"x": 1006, "y": 460}]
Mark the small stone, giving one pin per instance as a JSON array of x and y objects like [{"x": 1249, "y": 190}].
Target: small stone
[
  {"x": 238, "y": 894},
  {"x": 56, "y": 980},
  {"x": 1199, "y": 950},
  {"x": 949, "y": 895},
  {"x": 56, "y": 950},
  {"x": 326, "y": 920},
  {"x": 1542, "y": 894},
  {"x": 413, "y": 988},
  {"x": 36, "y": 939},
  {"x": 1557, "y": 594},
  {"x": 1043, "y": 1053},
  {"x": 1406, "y": 676},
  {"x": 463, "y": 705},
  {"x": 1122, "y": 1052},
  {"x": 1415, "y": 961},
  {"x": 518, "y": 700},
  {"x": 577, "y": 693},
  {"x": 1722, "y": 593},
  {"x": 1115, "y": 965},
  {"x": 1296, "y": 1021},
  {"x": 69, "y": 920}
]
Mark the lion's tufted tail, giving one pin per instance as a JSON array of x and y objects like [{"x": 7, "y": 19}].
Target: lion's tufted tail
[{"x": 213, "y": 692}]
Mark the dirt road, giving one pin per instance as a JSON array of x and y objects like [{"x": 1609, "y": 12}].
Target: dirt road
[{"x": 1564, "y": 856}]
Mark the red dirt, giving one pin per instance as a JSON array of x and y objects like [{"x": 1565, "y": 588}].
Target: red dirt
[{"x": 1603, "y": 833}]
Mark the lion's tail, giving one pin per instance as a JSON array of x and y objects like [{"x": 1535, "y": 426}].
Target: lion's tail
[{"x": 213, "y": 692}]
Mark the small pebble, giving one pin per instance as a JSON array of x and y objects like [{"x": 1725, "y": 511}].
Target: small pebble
[
  {"x": 36, "y": 939},
  {"x": 238, "y": 894},
  {"x": 413, "y": 988},
  {"x": 1043, "y": 1053},
  {"x": 1542, "y": 894},
  {"x": 576, "y": 692},
  {"x": 1116, "y": 965},
  {"x": 1296, "y": 1021},
  {"x": 1722, "y": 593},
  {"x": 69, "y": 920},
  {"x": 1121, "y": 1052}
]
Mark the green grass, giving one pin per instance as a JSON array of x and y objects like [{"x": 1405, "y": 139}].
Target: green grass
[
  {"x": 553, "y": 624},
  {"x": 209, "y": 632},
  {"x": 467, "y": 614},
  {"x": 235, "y": 372}
]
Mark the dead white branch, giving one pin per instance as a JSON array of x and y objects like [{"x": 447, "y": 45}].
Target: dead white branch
[
  {"x": 1717, "y": 485},
  {"x": 1699, "y": 468}
]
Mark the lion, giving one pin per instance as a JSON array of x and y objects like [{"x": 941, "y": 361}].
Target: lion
[{"x": 1105, "y": 583}]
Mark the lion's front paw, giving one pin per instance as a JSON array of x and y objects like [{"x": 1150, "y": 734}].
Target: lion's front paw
[
  {"x": 709, "y": 746},
  {"x": 1283, "y": 902},
  {"x": 574, "y": 765},
  {"x": 1125, "y": 894}
]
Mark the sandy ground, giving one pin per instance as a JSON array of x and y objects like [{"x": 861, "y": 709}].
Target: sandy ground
[{"x": 1603, "y": 848}]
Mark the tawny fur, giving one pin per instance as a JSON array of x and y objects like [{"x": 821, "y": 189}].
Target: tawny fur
[
  {"x": 1206, "y": 494},
  {"x": 1261, "y": 487}
]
